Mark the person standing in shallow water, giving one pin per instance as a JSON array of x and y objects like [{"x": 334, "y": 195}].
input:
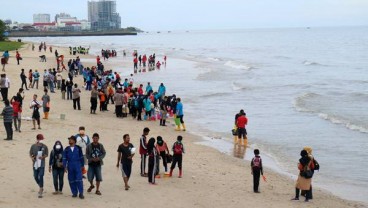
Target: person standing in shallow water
[
  {"x": 241, "y": 123},
  {"x": 73, "y": 162},
  {"x": 38, "y": 153}
]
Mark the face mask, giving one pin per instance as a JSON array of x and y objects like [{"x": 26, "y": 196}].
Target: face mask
[
  {"x": 58, "y": 146},
  {"x": 40, "y": 141}
]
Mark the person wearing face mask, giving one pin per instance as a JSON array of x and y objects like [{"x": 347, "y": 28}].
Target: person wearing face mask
[
  {"x": 56, "y": 166},
  {"x": 73, "y": 162},
  {"x": 38, "y": 153},
  {"x": 82, "y": 141}
]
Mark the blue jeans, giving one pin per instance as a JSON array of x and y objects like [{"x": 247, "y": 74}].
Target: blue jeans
[
  {"x": 38, "y": 176},
  {"x": 58, "y": 178}
]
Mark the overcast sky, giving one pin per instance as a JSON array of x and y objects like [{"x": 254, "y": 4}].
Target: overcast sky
[{"x": 205, "y": 14}]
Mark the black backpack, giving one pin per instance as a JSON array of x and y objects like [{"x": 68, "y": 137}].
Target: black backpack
[{"x": 316, "y": 165}]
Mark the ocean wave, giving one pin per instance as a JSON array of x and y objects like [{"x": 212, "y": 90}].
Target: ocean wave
[
  {"x": 311, "y": 63},
  {"x": 237, "y": 65},
  {"x": 340, "y": 120},
  {"x": 214, "y": 59},
  {"x": 216, "y": 94},
  {"x": 236, "y": 86}
]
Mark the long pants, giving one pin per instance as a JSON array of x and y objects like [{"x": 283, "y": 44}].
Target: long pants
[
  {"x": 164, "y": 159},
  {"x": 4, "y": 93},
  {"x": 9, "y": 130},
  {"x": 17, "y": 122},
  {"x": 110, "y": 97},
  {"x": 152, "y": 164},
  {"x": 38, "y": 175},
  {"x": 69, "y": 94},
  {"x": 143, "y": 164},
  {"x": 93, "y": 104},
  {"x": 35, "y": 82},
  {"x": 307, "y": 194},
  {"x": 76, "y": 102},
  {"x": 24, "y": 82},
  {"x": 139, "y": 116},
  {"x": 256, "y": 177},
  {"x": 63, "y": 95},
  {"x": 177, "y": 159},
  {"x": 51, "y": 86},
  {"x": 58, "y": 178},
  {"x": 58, "y": 84},
  {"x": 75, "y": 178},
  {"x": 119, "y": 110}
]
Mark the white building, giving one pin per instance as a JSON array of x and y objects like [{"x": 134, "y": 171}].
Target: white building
[{"x": 41, "y": 18}]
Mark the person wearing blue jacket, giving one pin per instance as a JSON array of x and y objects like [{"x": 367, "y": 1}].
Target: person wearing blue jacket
[
  {"x": 147, "y": 106},
  {"x": 162, "y": 90},
  {"x": 179, "y": 114},
  {"x": 73, "y": 162},
  {"x": 148, "y": 88}
]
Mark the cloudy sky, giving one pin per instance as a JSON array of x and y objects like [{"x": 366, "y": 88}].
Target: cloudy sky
[{"x": 206, "y": 14}]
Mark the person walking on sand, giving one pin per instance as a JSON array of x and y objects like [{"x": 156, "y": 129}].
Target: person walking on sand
[
  {"x": 95, "y": 154},
  {"x": 76, "y": 97},
  {"x": 163, "y": 151},
  {"x": 73, "y": 162},
  {"x": 179, "y": 114},
  {"x": 152, "y": 160},
  {"x": 17, "y": 56},
  {"x": 23, "y": 78},
  {"x": 178, "y": 150},
  {"x": 38, "y": 153},
  {"x": 126, "y": 153},
  {"x": 46, "y": 104},
  {"x": 83, "y": 141},
  {"x": 30, "y": 78},
  {"x": 63, "y": 89},
  {"x": 7, "y": 114},
  {"x": 4, "y": 85},
  {"x": 17, "y": 112},
  {"x": 304, "y": 181},
  {"x": 93, "y": 100},
  {"x": 35, "y": 106},
  {"x": 56, "y": 167},
  {"x": 257, "y": 170},
  {"x": 143, "y": 151},
  {"x": 163, "y": 111},
  {"x": 241, "y": 123}
]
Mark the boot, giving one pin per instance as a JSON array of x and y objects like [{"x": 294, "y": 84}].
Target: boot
[
  {"x": 161, "y": 122},
  {"x": 171, "y": 170},
  {"x": 180, "y": 173},
  {"x": 183, "y": 126},
  {"x": 177, "y": 128},
  {"x": 245, "y": 142},
  {"x": 164, "y": 122},
  {"x": 235, "y": 139}
]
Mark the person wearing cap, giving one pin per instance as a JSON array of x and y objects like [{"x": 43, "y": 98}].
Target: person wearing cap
[
  {"x": 8, "y": 120},
  {"x": 56, "y": 167},
  {"x": 95, "y": 153},
  {"x": 38, "y": 152},
  {"x": 126, "y": 152},
  {"x": 82, "y": 141},
  {"x": 73, "y": 162},
  {"x": 143, "y": 150}
]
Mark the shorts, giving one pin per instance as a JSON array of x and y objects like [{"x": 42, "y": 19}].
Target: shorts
[
  {"x": 242, "y": 132},
  {"x": 94, "y": 171},
  {"x": 126, "y": 169}
]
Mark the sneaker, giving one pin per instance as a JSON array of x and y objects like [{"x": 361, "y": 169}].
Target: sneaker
[
  {"x": 74, "y": 195},
  {"x": 81, "y": 196}
]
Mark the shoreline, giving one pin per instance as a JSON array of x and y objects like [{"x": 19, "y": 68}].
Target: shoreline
[{"x": 206, "y": 170}]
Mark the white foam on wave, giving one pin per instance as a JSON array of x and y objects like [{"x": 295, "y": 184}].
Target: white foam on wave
[
  {"x": 236, "y": 86},
  {"x": 214, "y": 59},
  {"x": 237, "y": 65},
  {"x": 311, "y": 63},
  {"x": 343, "y": 121}
]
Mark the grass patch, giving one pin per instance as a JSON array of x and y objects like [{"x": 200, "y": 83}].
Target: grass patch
[{"x": 10, "y": 45}]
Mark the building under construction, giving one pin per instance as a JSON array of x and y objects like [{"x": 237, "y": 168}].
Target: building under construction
[{"x": 103, "y": 16}]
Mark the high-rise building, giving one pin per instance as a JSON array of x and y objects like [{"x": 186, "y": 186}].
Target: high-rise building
[
  {"x": 62, "y": 15},
  {"x": 103, "y": 16},
  {"x": 41, "y": 18}
]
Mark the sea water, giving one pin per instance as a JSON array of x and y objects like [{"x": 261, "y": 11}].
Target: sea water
[{"x": 299, "y": 87}]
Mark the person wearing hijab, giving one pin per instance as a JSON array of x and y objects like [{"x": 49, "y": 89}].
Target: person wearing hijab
[
  {"x": 57, "y": 168},
  {"x": 163, "y": 151},
  {"x": 152, "y": 160},
  {"x": 303, "y": 183}
]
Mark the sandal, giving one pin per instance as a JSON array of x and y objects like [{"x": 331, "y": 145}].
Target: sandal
[
  {"x": 98, "y": 192},
  {"x": 90, "y": 189},
  {"x": 126, "y": 188}
]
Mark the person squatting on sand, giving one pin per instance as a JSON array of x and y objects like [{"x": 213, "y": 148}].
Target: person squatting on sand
[{"x": 38, "y": 152}]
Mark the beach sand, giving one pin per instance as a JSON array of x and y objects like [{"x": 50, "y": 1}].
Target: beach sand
[{"x": 210, "y": 178}]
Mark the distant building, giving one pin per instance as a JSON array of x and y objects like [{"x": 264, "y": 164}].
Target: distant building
[
  {"x": 62, "y": 15},
  {"x": 41, "y": 18},
  {"x": 44, "y": 26},
  {"x": 103, "y": 16}
]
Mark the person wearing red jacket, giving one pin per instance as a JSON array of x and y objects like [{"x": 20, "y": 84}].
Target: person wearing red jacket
[
  {"x": 140, "y": 89},
  {"x": 143, "y": 151},
  {"x": 17, "y": 112},
  {"x": 241, "y": 123},
  {"x": 144, "y": 60},
  {"x": 17, "y": 56}
]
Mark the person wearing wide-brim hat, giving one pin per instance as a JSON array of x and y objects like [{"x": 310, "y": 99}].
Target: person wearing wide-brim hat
[
  {"x": 38, "y": 153},
  {"x": 73, "y": 162}
]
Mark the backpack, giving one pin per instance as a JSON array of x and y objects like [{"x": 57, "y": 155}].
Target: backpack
[
  {"x": 178, "y": 148},
  {"x": 316, "y": 164},
  {"x": 256, "y": 162}
]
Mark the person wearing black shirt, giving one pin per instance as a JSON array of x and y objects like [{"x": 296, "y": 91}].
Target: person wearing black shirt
[
  {"x": 126, "y": 152},
  {"x": 95, "y": 153}
]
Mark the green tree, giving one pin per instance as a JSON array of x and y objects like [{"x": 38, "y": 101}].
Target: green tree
[{"x": 2, "y": 30}]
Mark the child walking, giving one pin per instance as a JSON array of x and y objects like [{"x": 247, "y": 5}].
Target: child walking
[
  {"x": 257, "y": 170},
  {"x": 178, "y": 149}
]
